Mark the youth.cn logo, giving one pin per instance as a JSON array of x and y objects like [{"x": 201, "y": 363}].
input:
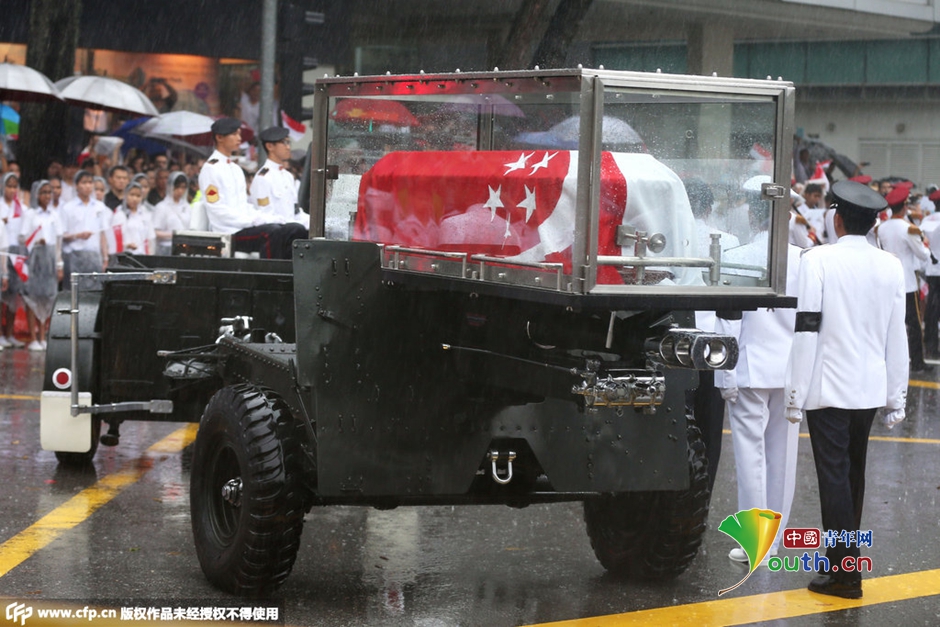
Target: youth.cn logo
[{"x": 18, "y": 611}]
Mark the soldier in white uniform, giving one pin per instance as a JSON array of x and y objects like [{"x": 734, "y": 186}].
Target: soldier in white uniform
[
  {"x": 224, "y": 189},
  {"x": 273, "y": 189},
  {"x": 904, "y": 240},
  {"x": 765, "y": 443},
  {"x": 849, "y": 358}
]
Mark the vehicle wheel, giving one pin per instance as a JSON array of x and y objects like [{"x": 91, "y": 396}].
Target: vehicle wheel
[
  {"x": 652, "y": 535},
  {"x": 82, "y": 459},
  {"x": 246, "y": 496}
]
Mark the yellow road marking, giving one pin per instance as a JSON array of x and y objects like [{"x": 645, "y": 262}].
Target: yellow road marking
[
  {"x": 19, "y": 397},
  {"x": 44, "y": 531},
  {"x": 771, "y": 606},
  {"x": 933, "y": 385}
]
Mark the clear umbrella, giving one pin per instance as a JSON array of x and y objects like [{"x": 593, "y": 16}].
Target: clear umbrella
[
  {"x": 108, "y": 94},
  {"x": 565, "y": 134},
  {"x": 22, "y": 83},
  {"x": 180, "y": 123}
]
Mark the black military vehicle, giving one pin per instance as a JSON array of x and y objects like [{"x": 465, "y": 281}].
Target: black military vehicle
[{"x": 495, "y": 306}]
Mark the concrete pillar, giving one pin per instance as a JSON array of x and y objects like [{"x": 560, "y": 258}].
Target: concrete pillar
[{"x": 711, "y": 48}]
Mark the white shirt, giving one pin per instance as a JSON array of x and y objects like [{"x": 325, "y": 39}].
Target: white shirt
[
  {"x": 858, "y": 359},
  {"x": 138, "y": 233},
  {"x": 45, "y": 223},
  {"x": 8, "y": 215},
  {"x": 764, "y": 336},
  {"x": 78, "y": 217},
  {"x": 931, "y": 230},
  {"x": 225, "y": 192},
  {"x": 171, "y": 216},
  {"x": 900, "y": 238},
  {"x": 273, "y": 191}
]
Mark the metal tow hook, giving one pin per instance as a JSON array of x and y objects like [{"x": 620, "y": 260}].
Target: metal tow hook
[
  {"x": 494, "y": 457},
  {"x": 232, "y": 491}
]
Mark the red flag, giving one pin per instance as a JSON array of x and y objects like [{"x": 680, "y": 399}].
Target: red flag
[
  {"x": 17, "y": 208},
  {"x": 31, "y": 240},
  {"x": 118, "y": 238},
  {"x": 19, "y": 264},
  {"x": 295, "y": 128}
]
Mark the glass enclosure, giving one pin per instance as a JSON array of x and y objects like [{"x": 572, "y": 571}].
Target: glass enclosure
[{"x": 576, "y": 181}]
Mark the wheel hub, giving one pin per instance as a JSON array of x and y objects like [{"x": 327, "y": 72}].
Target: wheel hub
[{"x": 232, "y": 491}]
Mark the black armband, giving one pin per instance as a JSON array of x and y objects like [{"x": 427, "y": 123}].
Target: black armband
[{"x": 808, "y": 321}]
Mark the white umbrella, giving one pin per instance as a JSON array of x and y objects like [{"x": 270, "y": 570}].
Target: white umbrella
[
  {"x": 22, "y": 83},
  {"x": 565, "y": 134},
  {"x": 108, "y": 94},
  {"x": 179, "y": 123}
]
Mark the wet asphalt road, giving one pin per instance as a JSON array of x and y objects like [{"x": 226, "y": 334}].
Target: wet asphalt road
[{"x": 431, "y": 566}]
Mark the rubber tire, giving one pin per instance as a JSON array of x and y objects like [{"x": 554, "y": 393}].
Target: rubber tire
[
  {"x": 247, "y": 550},
  {"x": 653, "y": 535},
  {"x": 82, "y": 459}
]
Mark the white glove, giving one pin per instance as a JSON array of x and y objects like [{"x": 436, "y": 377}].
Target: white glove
[
  {"x": 794, "y": 415},
  {"x": 893, "y": 417},
  {"x": 729, "y": 394}
]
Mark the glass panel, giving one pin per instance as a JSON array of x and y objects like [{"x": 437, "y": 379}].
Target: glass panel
[
  {"x": 485, "y": 185},
  {"x": 689, "y": 169}
]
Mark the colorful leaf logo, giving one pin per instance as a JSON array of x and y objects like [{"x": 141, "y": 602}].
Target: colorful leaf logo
[{"x": 754, "y": 529}]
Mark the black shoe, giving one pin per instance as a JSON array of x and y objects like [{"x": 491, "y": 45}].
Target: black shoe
[
  {"x": 922, "y": 369},
  {"x": 824, "y": 584}
]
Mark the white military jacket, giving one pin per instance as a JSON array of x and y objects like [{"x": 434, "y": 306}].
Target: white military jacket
[
  {"x": 764, "y": 337},
  {"x": 850, "y": 346},
  {"x": 225, "y": 192},
  {"x": 902, "y": 239},
  {"x": 273, "y": 191}
]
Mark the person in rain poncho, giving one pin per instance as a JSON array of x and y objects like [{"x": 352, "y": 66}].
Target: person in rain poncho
[
  {"x": 138, "y": 234},
  {"x": 42, "y": 236},
  {"x": 143, "y": 179},
  {"x": 101, "y": 188},
  {"x": 172, "y": 213},
  {"x": 11, "y": 212},
  {"x": 84, "y": 245}
]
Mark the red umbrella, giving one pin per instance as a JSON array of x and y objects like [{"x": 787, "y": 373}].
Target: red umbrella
[{"x": 373, "y": 110}]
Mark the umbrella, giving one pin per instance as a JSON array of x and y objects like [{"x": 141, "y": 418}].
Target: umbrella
[
  {"x": 373, "y": 110},
  {"x": 18, "y": 82},
  {"x": 475, "y": 103},
  {"x": 565, "y": 134},
  {"x": 9, "y": 121},
  {"x": 179, "y": 123},
  {"x": 108, "y": 94},
  {"x": 128, "y": 132}
]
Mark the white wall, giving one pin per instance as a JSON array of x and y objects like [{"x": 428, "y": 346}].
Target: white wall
[{"x": 897, "y": 138}]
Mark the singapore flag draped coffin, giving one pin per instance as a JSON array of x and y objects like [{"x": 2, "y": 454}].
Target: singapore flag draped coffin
[{"x": 519, "y": 205}]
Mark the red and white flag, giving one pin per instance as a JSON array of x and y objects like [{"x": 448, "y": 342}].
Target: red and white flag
[
  {"x": 296, "y": 129},
  {"x": 518, "y": 205},
  {"x": 819, "y": 175},
  {"x": 31, "y": 240},
  {"x": 21, "y": 267},
  {"x": 118, "y": 238},
  {"x": 17, "y": 208}
]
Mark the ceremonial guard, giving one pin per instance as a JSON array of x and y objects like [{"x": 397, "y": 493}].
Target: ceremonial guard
[
  {"x": 222, "y": 183},
  {"x": 849, "y": 358},
  {"x": 274, "y": 189},
  {"x": 906, "y": 242},
  {"x": 765, "y": 443}
]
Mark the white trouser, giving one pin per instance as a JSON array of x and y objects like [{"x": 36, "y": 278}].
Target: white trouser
[{"x": 765, "y": 447}]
